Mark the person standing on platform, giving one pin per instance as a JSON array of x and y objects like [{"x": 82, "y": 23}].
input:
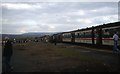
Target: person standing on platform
[
  {"x": 115, "y": 38},
  {"x": 7, "y": 53}
]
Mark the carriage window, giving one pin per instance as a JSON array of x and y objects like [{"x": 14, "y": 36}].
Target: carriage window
[
  {"x": 106, "y": 30},
  {"x": 67, "y": 35},
  {"x": 88, "y": 34}
]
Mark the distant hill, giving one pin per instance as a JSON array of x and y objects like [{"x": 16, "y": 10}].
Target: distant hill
[
  {"x": 37, "y": 33},
  {"x": 29, "y": 34}
]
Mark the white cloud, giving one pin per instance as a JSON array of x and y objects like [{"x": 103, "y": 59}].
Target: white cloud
[
  {"x": 23, "y": 30},
  {"x": 84, "y": 21},
  {"x": 104, "y": 19},
  {"x": 21, "y": 6},
  {"x": 52, "y": 27},
  {"x": 7, "y": 21},
  {"x": 80, "y": 12},
  {"x": 105, "y": 10}
]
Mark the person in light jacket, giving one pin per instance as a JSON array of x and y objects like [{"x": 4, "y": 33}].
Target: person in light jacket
[{"x": 115, "y": 38}]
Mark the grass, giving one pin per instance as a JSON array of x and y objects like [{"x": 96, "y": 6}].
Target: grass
[
  {"x": 51, "y": 50},
  {"x": 58, "y": 58}
]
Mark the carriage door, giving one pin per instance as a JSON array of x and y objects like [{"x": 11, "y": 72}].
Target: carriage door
[
  {"x": 98, "y": 36},
  {"x": 73, "y": 37}
]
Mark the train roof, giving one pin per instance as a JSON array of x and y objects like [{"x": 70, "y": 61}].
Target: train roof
[
  {"x": 102, "y": 26},
  {"x": 88, "y": 28},
  {"x": 108, "y": 25}
]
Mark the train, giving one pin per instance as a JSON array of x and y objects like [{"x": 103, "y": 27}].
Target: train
[{"x": 95, "y": 35}]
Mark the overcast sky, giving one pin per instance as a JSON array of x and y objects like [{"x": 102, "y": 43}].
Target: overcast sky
[{"x": 25, "y": 17}]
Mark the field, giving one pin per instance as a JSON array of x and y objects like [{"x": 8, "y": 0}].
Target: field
[{"x": 47, "y": 57}]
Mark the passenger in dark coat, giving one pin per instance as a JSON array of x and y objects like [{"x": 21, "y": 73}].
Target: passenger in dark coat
[
  {"x": 7, "y": 53},
  {"x": 8, "y": 49}
]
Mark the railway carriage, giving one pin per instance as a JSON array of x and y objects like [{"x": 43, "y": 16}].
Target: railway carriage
[
  {"x": 108, "y": 32},
  {"x": 57, "y": 37},
  {"x": 84, "y": 36},
  {"x": 67, "y": 37},
  {"x": 98, "y": 35}
]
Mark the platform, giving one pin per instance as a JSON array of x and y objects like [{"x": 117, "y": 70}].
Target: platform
[{"x": 47, "y": 57}]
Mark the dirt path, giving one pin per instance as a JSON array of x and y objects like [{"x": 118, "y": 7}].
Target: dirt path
[{"x": 42, "y": 57}]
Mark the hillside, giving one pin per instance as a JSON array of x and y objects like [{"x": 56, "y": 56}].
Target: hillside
[{"x": 29, "y": 34}]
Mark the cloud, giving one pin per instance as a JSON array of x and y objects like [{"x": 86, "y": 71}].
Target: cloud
[
  {"x": 53, "y": 16},
  {"x": 107, "y": 18},
  {"x": 59, "y": 0},
  {"x": 19, "y": 6}
]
